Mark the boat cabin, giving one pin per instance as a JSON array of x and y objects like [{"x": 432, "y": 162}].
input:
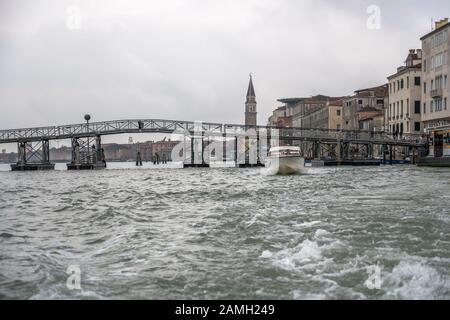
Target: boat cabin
[{"x": 284, "y": 151}]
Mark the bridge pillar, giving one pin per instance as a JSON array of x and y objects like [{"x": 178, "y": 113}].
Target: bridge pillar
[
  {"x": 33, "y": 156},
  {"x": 86, "y": 157},
  {"x": 197, "y": 153},
  {"x": 338, "y": 150},
  {"x": 316, "y": 150}
]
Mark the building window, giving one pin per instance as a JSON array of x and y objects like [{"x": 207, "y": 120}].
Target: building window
[
  {"x": 416, "y": 126},
  {"x": 424, "y": 65},
  {"x": 424, "y": 87},
  {"x": 417, "y": 106},
  {"x": 445, "y": 103},
  {"x": 438, "y": 105},
  {"x": 401, "y": 103},
  {"x": 338, "y": 127},
  {"x": 439, "y": 38},
  {"x": 417, "y": 81},
  {"x": 431, "y": 106},
  {"x": 407, "y": 82},
  {"x": 401, "y": 84},
  {"x": 380, "y": 101},
  {"x": 439, "y": 60},
  {"x": 360, "y": 102},
  {"x": 338, "y": 113},
  {"x": 438, "y": 82},
  {"x": 424, "y": 107}
]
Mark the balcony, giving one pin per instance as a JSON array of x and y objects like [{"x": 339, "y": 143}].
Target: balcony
[{"x": 436, "y": 93}]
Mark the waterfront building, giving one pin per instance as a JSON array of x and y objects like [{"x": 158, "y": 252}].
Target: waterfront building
[
  {"x": 164, "y": 148},
  {"x": 8, "y": 157},
  {"x": 298, "y": 108},
  {"x": 280, "y": 118},
  {"x": 435, "y": 67},
  {"x": 435, "y": 87},
  {"x": 403, "y": 114},
  {"x": 284, "y": 114},
  {"x": 328, "y": 116},
  {"x": 364, "y": 103},
  {"x": 250, "y": 105},
  {"x": 371, "y": 121}
]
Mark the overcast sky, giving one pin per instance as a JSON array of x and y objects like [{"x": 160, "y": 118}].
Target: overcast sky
[{"x": 190, "y": 59}]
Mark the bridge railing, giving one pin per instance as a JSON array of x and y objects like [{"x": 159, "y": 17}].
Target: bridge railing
[
  {"x": 351, "y": 135},
  {"x": 170, "y": 126}
]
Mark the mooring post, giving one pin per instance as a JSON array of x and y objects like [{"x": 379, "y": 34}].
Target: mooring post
[
  {"x": 138, "y": 159},
  {"x": 203, "y": 148},
  {"x": 224, "y": 147},
  {"x": 192, "y": 150},
  {"x": 390, "y": 154},
  {"x": 258, "y": 160},
  {"x": 235, "y": 150}
]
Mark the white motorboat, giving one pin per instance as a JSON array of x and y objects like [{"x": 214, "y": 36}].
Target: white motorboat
[{"x": 285, "y": 160}]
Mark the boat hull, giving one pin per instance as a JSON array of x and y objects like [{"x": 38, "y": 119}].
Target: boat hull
[{"x": 285, "y": 165}]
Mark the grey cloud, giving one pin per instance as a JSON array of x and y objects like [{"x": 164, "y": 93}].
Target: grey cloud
[{"x": 190, "y": 59}]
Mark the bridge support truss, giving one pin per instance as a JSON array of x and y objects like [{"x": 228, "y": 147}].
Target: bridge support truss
[
  {"x": 33, "y": 156},
  {"x": 87, "y": 154}
]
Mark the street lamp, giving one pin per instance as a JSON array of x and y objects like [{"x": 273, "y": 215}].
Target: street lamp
[{"x": 87, "y": 117}]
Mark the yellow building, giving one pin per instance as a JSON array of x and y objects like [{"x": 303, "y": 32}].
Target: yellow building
[{"x": 404, "y": 109}]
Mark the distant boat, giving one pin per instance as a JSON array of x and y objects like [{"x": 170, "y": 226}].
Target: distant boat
[{"x": 285, "y": 160}]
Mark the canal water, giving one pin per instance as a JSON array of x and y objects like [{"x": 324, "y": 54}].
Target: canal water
[{"x": 156, "y": 233}]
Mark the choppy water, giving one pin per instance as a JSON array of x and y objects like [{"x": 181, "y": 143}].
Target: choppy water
[{"x": 226, "y": 233}]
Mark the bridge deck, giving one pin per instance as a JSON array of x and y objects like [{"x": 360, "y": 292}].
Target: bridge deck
[{"x": 212, "y": 129}]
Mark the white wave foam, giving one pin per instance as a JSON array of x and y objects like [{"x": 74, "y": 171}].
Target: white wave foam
[
  {"x": 414, "y": 280},
  {"x": 291, "y": 258},
  {"x": 320, "y": 233},
  {"x": 308, "y": 224}
]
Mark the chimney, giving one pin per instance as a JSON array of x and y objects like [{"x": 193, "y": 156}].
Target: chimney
[
  {"x": 419, "y": 53},
  {"x": 440, "y": 23}
]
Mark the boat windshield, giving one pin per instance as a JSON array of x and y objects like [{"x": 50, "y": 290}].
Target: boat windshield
[{"x": 285, "y": 152}]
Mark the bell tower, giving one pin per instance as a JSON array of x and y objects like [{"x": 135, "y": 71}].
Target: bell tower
[{"x": 250, "y": 105}]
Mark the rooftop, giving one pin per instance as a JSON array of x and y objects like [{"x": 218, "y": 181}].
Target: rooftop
[
  {"x": 438, "y": 26},
  {"x": 380, "y": 91}
]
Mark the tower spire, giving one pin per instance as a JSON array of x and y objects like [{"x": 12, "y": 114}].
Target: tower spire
[
  {"x": 250, "y": 105},
  {"x": 250, "y": 90}
]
